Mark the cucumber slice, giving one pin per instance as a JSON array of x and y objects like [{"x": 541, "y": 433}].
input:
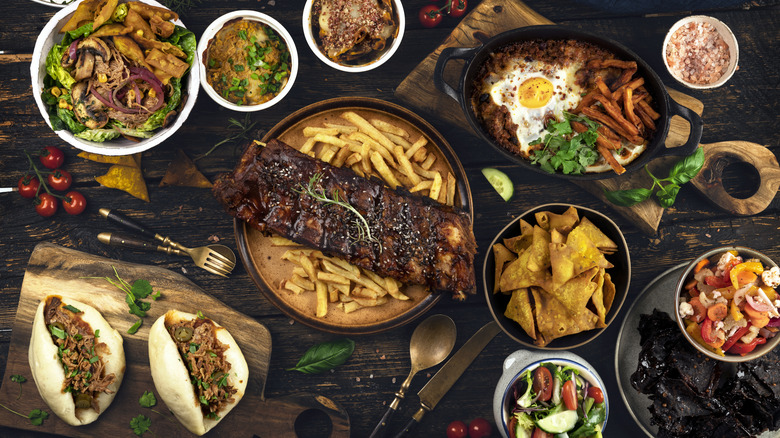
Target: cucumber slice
[
  {"x": 500, "y": 181},
  {"x": 558, "y": 423}
]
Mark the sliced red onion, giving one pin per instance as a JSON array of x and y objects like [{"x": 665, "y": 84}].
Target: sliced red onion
[
  {"x": 137, "y": 93},
  {"x": 759, "y": 305},
  {"x": 72, "y": 48},
  {"x": 739, "y": 295},
  {"x": 102, "y": 99},
  {"x": 766, "y": 333},
  {"x": 774, "y": 322}
]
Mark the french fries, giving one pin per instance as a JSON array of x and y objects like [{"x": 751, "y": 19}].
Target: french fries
[
  {"x": 334, "y": 280},
  {"x": 370, "y": 147}
]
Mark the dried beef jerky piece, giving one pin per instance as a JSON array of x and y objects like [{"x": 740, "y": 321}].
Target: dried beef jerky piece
[
  {"x": 654, "y": 324},
  {"x": 653, "y": 361},
  {"x": 767, "y": 370},
  {"x": 675, "y": 405},
  {"x": 700, "y": 372}
]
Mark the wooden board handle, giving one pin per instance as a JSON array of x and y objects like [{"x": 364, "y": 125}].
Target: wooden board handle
[
  {"x": 256, "y": 420},
  {"x": 717, "y": 156}
]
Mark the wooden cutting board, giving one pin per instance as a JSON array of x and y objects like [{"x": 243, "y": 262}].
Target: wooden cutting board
[
  {"x": 492, "y": 17},
  {"x": 56, "y": 270}
]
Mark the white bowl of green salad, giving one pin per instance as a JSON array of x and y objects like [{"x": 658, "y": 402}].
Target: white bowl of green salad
[
  {"x": 248, "y": 61},
  {"x": 560, "y": 394},
  {"x": 116, "y": 80}
]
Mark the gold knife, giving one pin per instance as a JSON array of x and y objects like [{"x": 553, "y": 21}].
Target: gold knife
[{"x": 443, "y": 380}]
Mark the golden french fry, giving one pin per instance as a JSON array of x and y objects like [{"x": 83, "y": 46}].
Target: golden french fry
[
  {"x": 384, "y": 171},
  {"x": 292, "y": 287},
  {"x": 308, "y": 266},
  {"x": 351, "y": 306},
  {"x": 416, "y": 146},
  {"x": 428, "y": 162},
  {"x": 322, "y": 299},
  {"x": 451, "y": 185},
  {"x": 443, "y": 192},
  {"x": 429, "y": 174},
  {"x": 389, "y": 128},
  {"x": 333, "y": 293},
  {"x": 435, "y": 187},
  {"x": 353, "y": 158},
  {"x": 423, "y": 185},
  {"x": 304, "y": 283},
  {"x": 368, "y": 128},
  {"x": 343, "y": 129},
  {"x": 341, "y": 157},
  {"x": 345, "y": 265},
  {"x": 329, "y": 139},
  {"x": 406, "y": 166},
  {"x": 311, "y": 131},
  {"x": 277, "y": 240},
  {"x": 327, "y": 153},
  {"x": 392, "y": 288},
  {"x": 398, "y": 140},
  {"x": 299, "y": 272},
  {"x": 308, "y": 145},
  {"x": 332, "y": 278},
  {"x": 374, "y": 146},
  {"x": 420, "y": 156}
]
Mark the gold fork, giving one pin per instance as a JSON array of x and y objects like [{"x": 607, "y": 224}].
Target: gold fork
[{"x": 215, "y": 258}]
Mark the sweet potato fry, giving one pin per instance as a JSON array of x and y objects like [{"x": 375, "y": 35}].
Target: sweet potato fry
[
  {"x": 600, "y": 117},
  {"x": 628, "y": 107},
  {"x": 607, "y": 154},
  {"x": 613, "y": 110},
  {"x": 645, "y": 118},
  {"x": 649, "y": 110}
]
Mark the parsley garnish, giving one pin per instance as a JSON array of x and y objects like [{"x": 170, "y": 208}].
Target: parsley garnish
[
  {"x": 565, "y": 152},
  {"x": 18, "y": 378},
  {"x": 134, "y": 293},
  {"x": 134, "y": 328},
  {"x": 140, "y": 424},
  {"x": 148, "y": 399}
]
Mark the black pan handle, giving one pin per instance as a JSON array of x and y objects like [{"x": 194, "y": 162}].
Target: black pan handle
[
  {"x": 696, "y": 129},
  {"x": 446, "y": 56}
]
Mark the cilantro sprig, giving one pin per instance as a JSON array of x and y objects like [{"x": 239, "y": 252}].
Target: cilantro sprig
[
  {"x": 141, "y": 424},
  {"x": 682, "y": 172},
  {"x": 36, "y": 416},
  {"x": 18, "y": 378},
  {"x": 134, "y": 294},
  {"x": 562, "y": 151}
]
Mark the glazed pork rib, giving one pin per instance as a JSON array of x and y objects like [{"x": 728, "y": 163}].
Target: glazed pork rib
[{"x": 412, "y": 238}]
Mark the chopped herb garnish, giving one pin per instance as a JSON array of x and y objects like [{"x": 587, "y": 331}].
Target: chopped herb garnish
[
  {"x": 200, "y": 315},
  {"x": 148, "y": 399},
  {"x": 194, "y": 347},
  {"x": 134, "y": 328},
  {"x": 18, "y": 378},
  {"x": 94, "y": 359},
  {"x": 203, "y": 400},
  {"x": 58, "y": 332},
  {"x": 238, "y": 67},
  {"x": 97, "y": 333},
  {"x": 242, "y": 34},
  {"x": 140, "y": 424},
  {"x": 71, "y": 308}
]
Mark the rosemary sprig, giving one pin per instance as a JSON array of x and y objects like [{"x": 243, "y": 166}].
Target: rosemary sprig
[
  {"x": 318, "y": 193},
  {"x": 241, "y": 130}
]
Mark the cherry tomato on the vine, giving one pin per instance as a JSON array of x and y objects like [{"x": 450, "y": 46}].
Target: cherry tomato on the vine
[
  {"x": 46, "y": 204},
  {"x": 74, "y": 202},
  {"x": 543, "y": 383},
  {"x": 52, "y": 157},
  {"x": 458, "y": 8},
  {"x": 430, "y": 16},
  {"x": 569, "y": 393},
  {"x": 596, "y": 394},
  {"x": 480, "y": 428},
  {"x": 28, "y": 186},
  {"x": 457, "y": 429},
  {"x": 60, "y": 180}
]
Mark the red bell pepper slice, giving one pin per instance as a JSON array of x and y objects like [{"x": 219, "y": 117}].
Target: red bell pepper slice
[
  {"x": 735, "y": 337},
  {"x": 742, "y": 348},
  {"x": 717, "y": 282},
  {"x": 707, "y": 331}
]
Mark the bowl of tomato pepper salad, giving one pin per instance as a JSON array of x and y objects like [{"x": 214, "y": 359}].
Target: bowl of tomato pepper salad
[{"x": 727, "y": 303}]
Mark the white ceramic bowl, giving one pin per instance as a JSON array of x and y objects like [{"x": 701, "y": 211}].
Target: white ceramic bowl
[
  {"x": 120, "y": 146},
  {"x": 216, "y": 26},
  {"x": 728, "y": 38},
  {"x": 384, "y": 57},
  {"x": 519, "y": 362}
]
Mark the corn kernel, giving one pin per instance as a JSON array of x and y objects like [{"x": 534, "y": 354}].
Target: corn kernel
[
  {"x": 151, "y": 93},
  {"x": 102, "y": 77},
  {"x": 56, "y": 92}
]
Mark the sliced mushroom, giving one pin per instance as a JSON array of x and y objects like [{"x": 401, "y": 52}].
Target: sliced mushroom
[
  {"x": 67, "y": 61},
  {"x": 96, "y": 46},
  {"x": 84, "y": 66},
  {"x": 88, "y": 109}
]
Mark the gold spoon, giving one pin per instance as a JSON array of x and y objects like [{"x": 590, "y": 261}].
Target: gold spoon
[{"x": 431, "y": 343}]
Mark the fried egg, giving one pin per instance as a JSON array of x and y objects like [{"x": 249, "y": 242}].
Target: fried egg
[{"x": 533, "y": 92}]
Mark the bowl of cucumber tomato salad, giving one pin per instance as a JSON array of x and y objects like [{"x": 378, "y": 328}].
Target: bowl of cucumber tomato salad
[{"x": 559, "y": 396}]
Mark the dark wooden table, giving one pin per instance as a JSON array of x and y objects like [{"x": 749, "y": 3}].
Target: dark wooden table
[{"x": 746, "y": 108}]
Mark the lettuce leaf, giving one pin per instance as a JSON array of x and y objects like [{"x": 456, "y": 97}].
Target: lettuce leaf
[
  {"x": 62, "y": 118},
  {"x": 139, "y": 133},
  {"x": 55, "y": 69},
  {"x": 186, "y": 41},
  {"x": 98, "y": 135}
]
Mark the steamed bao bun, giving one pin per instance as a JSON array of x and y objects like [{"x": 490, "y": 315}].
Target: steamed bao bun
[
  {"x": 49, "y": 375},
  {"x": 172, "y": 379}
]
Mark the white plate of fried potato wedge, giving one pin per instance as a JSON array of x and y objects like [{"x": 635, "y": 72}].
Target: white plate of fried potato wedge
[{"x": 372, "y": 137}]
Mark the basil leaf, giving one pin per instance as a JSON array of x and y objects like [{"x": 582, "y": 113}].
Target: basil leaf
[
  {"x": 667, "y": 195},
  {"x": 325, "y": 356},
  {"x": 687, "y": 168},
  {"x": 627, "y": 198}
]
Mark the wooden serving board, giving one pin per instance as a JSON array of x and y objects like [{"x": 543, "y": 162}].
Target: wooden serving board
[
  {"x": 56, "y": 270},
  {"x": 492, "y": 17}
]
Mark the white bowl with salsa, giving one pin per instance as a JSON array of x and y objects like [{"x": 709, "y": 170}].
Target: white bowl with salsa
[{"x": 248, "y": 61}]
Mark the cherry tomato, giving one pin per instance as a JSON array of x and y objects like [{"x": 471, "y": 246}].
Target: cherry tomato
[
  {"x": 596, "y": 394},
  {"x": 708, "y": 331},
  {"x": 430, "y": 16},
  {"x": 46, "y": 204},
  {"x": 458, "y": 8},
  {"x": 512, "y": 426},
  {"x": 543, "y": 383},
  {"x": 52, "y": 157},
  {"x": 480, "y": 428},
  {"x": 569, "y": 393},
  {"x": 539, "y": 433},
  {"x": 74, "y": 202},
  {"x": 457, "y": 429},
  {"x": 60, "y": 180},
  {"x": 28, "y": 186}
]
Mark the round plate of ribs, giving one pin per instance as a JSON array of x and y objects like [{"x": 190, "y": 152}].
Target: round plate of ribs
[{"x": 352, "y": 216}]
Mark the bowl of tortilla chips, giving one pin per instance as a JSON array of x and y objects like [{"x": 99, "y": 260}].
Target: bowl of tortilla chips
[{"x": 557, "y": 275}]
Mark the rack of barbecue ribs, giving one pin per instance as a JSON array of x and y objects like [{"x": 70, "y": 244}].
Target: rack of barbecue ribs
[{"x": 412, "y": 238}]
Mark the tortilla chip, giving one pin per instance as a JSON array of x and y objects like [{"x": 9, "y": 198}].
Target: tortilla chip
[
  {"x": 104, "y": 12},
  {"x": 516, "y": 275},
  {"x": 596, "y": 236},
  {"x": 539, "y": 251},
  {"x": 147, "y": 11},
  {"x": 166, "y": 62},
  {"x": 85, "y": 12},
  {"x": 557, "y": 237},
  {"x": 554, "y": 321},
  {"x": 598, "y": 299},
  {"x": 183, "y": 172},
  {"x": 609, "y": 292},
  {"x": 574, "y": 257},
  {"x": 519, "y": 310},
  {"x": 575, "y": 293},
  {"x": 501, "y": 255},
  {"x": 522, "y": 241},
  {"x": 561, "y": 222},
  {"x": 127, "y": 178},
  {"x": 124, "y": 160},
  {"x": 111, "y": 29}
]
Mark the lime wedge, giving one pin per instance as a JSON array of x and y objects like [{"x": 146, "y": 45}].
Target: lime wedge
[{"x": 500, "y": 182}]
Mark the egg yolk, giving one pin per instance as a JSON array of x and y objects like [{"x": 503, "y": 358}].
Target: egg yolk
[{"x": 535, "y": 92}]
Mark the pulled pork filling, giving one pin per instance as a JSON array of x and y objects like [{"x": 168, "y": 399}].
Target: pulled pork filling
[
  {"x": 204, "y": 356},
  {"x": 79, "y": 352}
]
